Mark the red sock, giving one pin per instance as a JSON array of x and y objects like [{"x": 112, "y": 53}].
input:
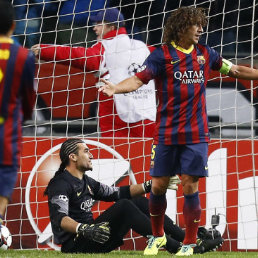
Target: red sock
[
  {"x": 157, "y": 207},
  {"x": 192, "y": 215}
]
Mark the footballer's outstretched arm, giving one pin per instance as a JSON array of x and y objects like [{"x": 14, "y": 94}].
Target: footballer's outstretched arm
[
  {"x": 125, "y": 86},
  {"x": 243, "y": 72},
  {"x": 140, "y": 189},
  {"x": 238, "y": 71}
]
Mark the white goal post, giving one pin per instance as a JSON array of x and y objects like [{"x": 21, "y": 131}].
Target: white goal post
[{"x": 67, "y": 105}]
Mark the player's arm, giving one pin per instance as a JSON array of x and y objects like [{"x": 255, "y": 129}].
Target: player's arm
[
  {"x": 110, "y": 193},
  {"x": 243, "y": 72},
  {"x": 125, "y": 86},
  {"x": 68, "y": 224},
  {"x": 99, "y": 232},
  {"x": 130, "y": 191},
  {"x": 151, "y": 68},
  {"x": 58, "y": 209},
  {"x": 140, "y": 189},
  {"x": 238, "y": 71}
]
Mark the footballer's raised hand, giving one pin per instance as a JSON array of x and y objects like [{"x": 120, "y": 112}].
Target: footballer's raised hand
[
  {"x": 108, "y": 88},
  {"x": 35, "y": 49}
]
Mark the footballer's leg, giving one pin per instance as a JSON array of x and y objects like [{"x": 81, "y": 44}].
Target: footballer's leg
[
  {"x": 170, "y": 227},
  {"x": 8, "y": 175},
  {"x": 3, "y": 204},
  {"x": 193, "y": 159},
  {"x": 163, "y": 161},
  {"x": 125, "y": 215}
]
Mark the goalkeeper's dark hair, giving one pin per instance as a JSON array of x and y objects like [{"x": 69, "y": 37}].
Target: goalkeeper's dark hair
[
  {"x": 181, "y": 20},
  {"x": 7, "y": 16},
  {"x": 68, "y": 147}
]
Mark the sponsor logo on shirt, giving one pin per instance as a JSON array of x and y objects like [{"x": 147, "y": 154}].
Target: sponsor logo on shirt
[
  {"x": 189, "y": 77},
  {"x": 87, "y": 205}
]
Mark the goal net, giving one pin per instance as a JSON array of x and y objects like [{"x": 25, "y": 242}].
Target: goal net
[{"x": 69, "y": 105}]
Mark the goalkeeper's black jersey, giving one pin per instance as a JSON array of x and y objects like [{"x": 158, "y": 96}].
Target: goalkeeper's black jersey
[{"x": 70, "y": 196}]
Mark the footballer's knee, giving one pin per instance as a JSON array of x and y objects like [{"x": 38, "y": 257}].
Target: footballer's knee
[
  {"x": 190, "y": 184},
  {"x": 159, "y": 185}
]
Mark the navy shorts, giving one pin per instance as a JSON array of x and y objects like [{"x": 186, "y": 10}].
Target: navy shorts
[
  {"x": 189, "y": 159},
  {"x": 8, "y": 176}
]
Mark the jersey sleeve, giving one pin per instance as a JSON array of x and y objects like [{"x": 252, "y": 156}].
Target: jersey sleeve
[
  {"x": 79, "y": 57},
  {"x": 58, "y": 201},
  {"x": 215, "y": 59},
  {"x": 104, "y": 192},
  {"x": 28, "y": 91},
  {"x": 152, "y": 67}
]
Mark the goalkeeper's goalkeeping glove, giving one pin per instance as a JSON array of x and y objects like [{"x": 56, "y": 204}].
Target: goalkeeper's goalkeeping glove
[
  {"x": 99, "y": 232},
  {"x": 147, "y": 186},
  {"x": 173, "y": 182}
]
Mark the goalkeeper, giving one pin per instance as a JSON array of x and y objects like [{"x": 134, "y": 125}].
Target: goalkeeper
[{"x": 71, "y": 195}]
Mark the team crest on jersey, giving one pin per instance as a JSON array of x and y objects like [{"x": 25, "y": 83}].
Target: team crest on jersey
[{"x": 201, "y": 60}]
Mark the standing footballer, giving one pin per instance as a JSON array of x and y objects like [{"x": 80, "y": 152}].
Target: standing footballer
[
  {"x": 17, "y": 98},
  {"x": 181, "y": 70}
]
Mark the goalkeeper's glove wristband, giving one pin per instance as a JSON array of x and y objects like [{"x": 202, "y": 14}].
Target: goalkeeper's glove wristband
[
  {"x": 147, "y": 186},
  {"x": 99, "y": 232}
]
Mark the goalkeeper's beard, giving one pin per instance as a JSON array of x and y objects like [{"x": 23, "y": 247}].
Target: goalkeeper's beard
[{"x": 84, "y": 169}]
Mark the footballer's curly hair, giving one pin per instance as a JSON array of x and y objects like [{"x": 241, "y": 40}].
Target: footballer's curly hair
[
  {"x": 180, "y": 20},
  {"x": 68, "y": 147}
]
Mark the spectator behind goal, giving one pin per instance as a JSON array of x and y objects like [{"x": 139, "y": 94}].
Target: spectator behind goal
[
  {"x": 114, "y": 57},
  {"x": 17, "y": 98}
]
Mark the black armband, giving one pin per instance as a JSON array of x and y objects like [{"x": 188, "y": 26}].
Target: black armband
[{"x": 125, "y": 192}]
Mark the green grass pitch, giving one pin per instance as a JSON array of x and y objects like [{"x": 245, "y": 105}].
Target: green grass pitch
[{"x": 39, "y": 253}]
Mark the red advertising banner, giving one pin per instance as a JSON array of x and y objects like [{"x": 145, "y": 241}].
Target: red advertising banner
[{"x": 230, "y": 190}]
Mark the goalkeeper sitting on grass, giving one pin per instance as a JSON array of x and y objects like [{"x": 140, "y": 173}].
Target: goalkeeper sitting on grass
[{"x": 71, "y": 195}]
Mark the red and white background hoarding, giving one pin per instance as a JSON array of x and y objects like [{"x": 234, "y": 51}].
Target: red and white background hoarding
[{"x": 230, "y": 190}]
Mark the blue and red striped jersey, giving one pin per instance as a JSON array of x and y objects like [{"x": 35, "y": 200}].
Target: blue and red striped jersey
[
  {"x": 181, "y": 77},
  {"x": 17, "y": 97}
]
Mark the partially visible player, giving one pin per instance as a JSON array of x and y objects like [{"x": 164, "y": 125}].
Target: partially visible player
[
  {"x": 181, "y": 70},
  {"x": 17, "y": 98}
]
